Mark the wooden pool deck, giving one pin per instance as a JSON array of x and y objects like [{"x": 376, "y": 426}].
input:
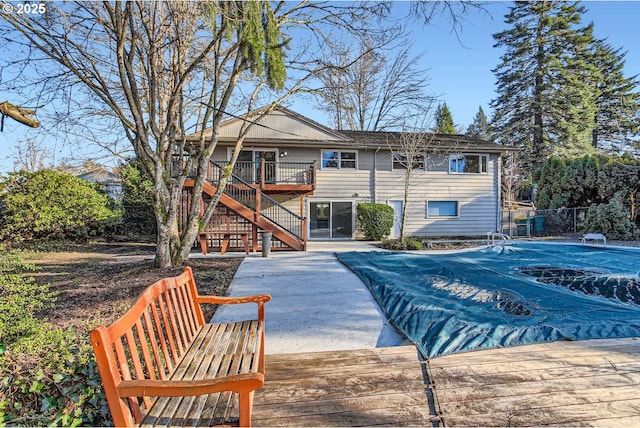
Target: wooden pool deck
[{"x": 582, "y": 383}]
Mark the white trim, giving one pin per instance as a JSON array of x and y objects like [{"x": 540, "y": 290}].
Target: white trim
[
  {"x": 339, "y": 160},
  {"x": 393, "y": 159},
  {"x": 330, "y": 201},
  {"x": 426, "y": 208},
  {"x": 481, "y": 155},
  {"x": 255, "y": 149}
]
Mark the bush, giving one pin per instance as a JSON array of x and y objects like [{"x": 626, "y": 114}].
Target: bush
[
  {"x": 20, "y": 299},
  {"x": 375, "y": 220},
  {"x": 405, "y": 244},
  {"x": 48, "y": 376},
  {"x": 611, "y": 220},
  {"x": 49, "y": 204},
  {"x": 137, "y": 203}
]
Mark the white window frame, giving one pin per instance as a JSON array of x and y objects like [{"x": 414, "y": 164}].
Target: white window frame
[
  {"x": 339, "y": 159},
  {"x": 254, "y": 149},
  {"x": 483, "y": 162},
  {"x": 394, "y": 159},
  {"x": 457, "y": 215}
]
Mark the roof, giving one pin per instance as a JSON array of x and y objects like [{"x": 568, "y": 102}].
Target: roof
[
  {"x": 285, "y": 127},
  {"x": 100, "y": 175},
  {"x": 444, "y": 142}
]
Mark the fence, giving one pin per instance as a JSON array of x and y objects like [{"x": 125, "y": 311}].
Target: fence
[{"x": 528, "y": 222}]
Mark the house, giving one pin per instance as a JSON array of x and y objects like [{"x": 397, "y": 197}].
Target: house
[
  {"x": 308, "y": 179},
  {"x": 110, "y": 183}
]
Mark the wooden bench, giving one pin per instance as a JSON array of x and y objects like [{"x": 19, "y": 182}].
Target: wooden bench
[
  {"x": 226, "y": 241},
  {"x": 161, "y": 364}
]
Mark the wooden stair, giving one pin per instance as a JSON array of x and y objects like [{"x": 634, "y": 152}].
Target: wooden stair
[{"x": 297, "y": 243}]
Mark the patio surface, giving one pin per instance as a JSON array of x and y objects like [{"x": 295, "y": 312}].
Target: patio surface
[
  {"x": 317, "y": 303},
  {"x": 333, "y": 361}
]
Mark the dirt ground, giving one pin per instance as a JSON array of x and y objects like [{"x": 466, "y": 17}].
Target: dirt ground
[{"x": 96, "y": 284}]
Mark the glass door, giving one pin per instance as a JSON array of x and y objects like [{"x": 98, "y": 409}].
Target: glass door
[
  {"x": 341, "y": 220},
  {"x": 249, "y": 165},
  {"x": 330, "y": 220},
  {"x": 319, "y": 220},
  {"x": 269, "y": 157},
  {"x": 244, "y": 166}
]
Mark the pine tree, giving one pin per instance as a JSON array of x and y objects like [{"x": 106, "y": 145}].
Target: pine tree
[
  {"x": 545, "y": 81},
  {"x": 480, "y": 127},
  {"x": 618, "y": 104},
  {"x": 444, "y": 121}
]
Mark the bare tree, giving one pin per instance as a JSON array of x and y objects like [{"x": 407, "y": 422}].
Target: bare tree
[
  {"x": 30, "y": 156},
  {"x": 512, "y": 177},
  {"x": 409, "y": 153},
  {"x": 162, "y": 71},
  {"x": 374, "y": 88}
]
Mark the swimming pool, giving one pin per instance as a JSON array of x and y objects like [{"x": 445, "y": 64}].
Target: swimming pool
[{"x": 505, "y": 295}]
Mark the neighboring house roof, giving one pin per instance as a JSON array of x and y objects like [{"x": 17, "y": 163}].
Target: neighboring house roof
[
  {"x": 286, "y": 127},
  {"x": 101, "y": 176}
]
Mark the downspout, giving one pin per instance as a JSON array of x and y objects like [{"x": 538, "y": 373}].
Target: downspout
[
  {"x": 375, "y": 167},
  {"x": 499, "y": 198}
]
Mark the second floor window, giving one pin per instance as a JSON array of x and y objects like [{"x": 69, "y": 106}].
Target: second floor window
[
  {"x": 339, "y": 159},
  {"x": 400, "y": 161},
  {"x": 468, "y": 164}
]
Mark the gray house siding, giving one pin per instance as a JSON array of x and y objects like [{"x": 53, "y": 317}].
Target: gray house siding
[{"x": 475, "y": 194}]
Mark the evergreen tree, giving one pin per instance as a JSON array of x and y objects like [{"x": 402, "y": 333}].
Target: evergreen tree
[
  {"x": 618, "y": 105},
  {"x": 480, "y": 127},
  {"x": 544, "y": 81},
  {"x": 444, "y": 120}
]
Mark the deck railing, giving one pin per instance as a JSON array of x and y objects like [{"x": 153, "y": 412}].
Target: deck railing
[
  {"x": 265, "y": 172},
  {"x": 258, "y": 201},
  {"x": 247, "y": 194}
]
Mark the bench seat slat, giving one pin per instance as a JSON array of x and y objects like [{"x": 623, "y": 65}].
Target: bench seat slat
[
  {"x": 218, "y": 350},
  {"x": 244, "y": 358}
]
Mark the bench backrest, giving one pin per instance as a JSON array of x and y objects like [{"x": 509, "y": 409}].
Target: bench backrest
[{"x": 147, "y": 342}]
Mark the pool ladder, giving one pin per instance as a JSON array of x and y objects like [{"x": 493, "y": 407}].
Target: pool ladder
[{"x": 493, "y": 236}]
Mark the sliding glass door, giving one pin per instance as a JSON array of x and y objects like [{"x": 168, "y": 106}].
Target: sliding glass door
[
  {"x": 331, "y": 220},
  {"x": 249, "y": 164}
]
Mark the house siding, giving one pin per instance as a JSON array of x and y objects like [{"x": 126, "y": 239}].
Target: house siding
[{"x": 476, "y": 194}]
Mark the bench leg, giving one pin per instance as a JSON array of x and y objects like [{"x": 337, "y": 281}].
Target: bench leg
[{"x": 245, "y": 406}]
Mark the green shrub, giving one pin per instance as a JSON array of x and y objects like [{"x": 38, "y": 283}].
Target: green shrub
[
  {"x": 50, "y": 204},
  {"x": 20, "y": 299},
  {"x": 405, "y": 244},
  {"x": 611, "y": 220},
  {"x": 48, "y": 376},
  {"x": 375, "y": 220},
  {"x": 137, "y": 203}
]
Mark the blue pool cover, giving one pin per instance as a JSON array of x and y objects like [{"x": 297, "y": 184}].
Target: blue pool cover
[{"x": 504, "y": 295}]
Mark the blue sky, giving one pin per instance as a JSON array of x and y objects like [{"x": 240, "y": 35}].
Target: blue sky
[
  {"x": 459, "y": 66},
  {"x": 459, "y": 70}
]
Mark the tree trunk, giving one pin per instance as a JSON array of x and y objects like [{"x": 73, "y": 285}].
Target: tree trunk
[{"x": 405, "y": 197}]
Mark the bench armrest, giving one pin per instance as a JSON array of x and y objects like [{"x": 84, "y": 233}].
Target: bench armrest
[
  {"x": 234, "y": 300},
  {"x": 259, "y": 299},
  {"x": 241, "y": 383}
]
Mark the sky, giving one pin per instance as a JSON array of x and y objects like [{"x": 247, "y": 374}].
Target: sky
[{"x": 459, "y": 66}]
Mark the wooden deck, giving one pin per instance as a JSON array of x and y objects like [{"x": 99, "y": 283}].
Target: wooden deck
[
  {"x": 383, "y": 386},
  {"x": 582, "y": 383}
]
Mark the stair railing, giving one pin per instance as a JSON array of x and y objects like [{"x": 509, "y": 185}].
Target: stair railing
[{"x": 258, "y": 201}]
